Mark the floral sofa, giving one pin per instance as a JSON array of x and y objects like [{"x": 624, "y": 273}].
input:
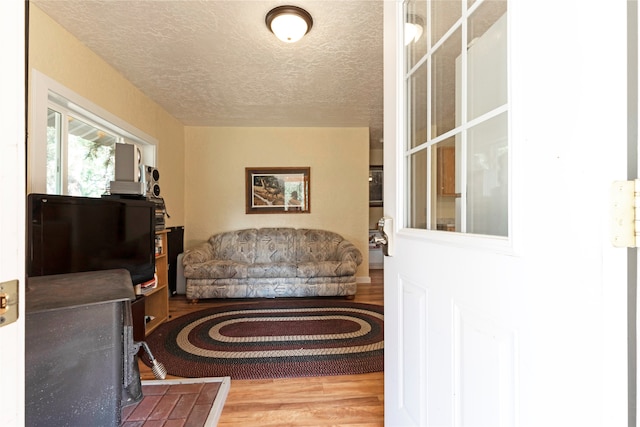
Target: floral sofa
[{"x": 271, "y": 262}]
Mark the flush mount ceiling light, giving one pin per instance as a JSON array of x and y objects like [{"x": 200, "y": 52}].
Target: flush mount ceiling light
[
  {"x": 413, "y": 29},
  {"x": 289, "y": 23}
]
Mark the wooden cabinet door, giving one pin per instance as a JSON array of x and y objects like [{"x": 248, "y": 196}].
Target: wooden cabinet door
[{"x": 447, "y": 171}]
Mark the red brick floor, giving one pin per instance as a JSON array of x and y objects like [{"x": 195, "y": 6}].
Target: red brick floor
[{"x": 175, "y": 405}]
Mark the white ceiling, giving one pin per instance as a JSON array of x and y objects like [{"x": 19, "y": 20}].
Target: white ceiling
[{"x": 215, "y": 63}]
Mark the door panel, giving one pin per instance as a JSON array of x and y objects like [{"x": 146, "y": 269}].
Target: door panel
[
  {"x": 414, "y": 346},
  {"x": 528, "y": 328},
  {"x": 485, "y": 370}
]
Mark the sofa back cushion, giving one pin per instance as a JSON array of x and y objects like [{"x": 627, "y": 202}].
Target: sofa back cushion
[
  {"x": 275, "y": 245},
  {"x": 316, "y": 245},
  {"x": 280, "y": 245},
  {"x": 239, "y": 246}
]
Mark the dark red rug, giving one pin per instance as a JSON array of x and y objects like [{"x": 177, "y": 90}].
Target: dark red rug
[{"x": 273, "y": 339}]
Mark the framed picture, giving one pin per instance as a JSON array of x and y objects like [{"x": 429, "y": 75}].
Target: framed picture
[
  {"x": 278, "y": 190},
  {"x": 375, "y": 185}
]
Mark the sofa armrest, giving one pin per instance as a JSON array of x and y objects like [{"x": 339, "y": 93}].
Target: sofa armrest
[
  {"x": 347, "y": 251},
  {"x": 198, "y": 254}
]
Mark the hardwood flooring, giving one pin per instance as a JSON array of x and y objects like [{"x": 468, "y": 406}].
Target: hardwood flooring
[{"x": 344, "y": 400}]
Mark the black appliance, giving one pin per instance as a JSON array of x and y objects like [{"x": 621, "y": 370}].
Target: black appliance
[
  {"x": 68, "y": 234},
  {"x": 83, "y": 257},
  {"x": 81, "y": 366},
  {"x": 175, "y": 241}
]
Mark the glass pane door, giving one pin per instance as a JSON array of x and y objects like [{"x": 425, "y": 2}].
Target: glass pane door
[{"x": 456, "y": 150}]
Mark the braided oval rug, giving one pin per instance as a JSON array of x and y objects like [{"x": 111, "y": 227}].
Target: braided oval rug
[{"x": 273, "y": 338}]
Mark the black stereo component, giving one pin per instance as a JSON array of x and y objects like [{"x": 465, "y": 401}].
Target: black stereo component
[{"x": 160, "y": 211}]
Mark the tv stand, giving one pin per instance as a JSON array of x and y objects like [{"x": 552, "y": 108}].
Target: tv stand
[{"x": 156, "y": 300}]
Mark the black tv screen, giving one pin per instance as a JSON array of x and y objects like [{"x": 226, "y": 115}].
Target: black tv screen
[{"x": 68, "y": 234}]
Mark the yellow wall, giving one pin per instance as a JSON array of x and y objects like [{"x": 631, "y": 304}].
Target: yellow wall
[
  {"x": 339, "y": 169},
  {"x": 60, "y": 56},
  {"x": 208, "y": 195}
]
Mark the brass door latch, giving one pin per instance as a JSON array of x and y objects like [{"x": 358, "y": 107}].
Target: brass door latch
[{"x": 8, "y": 302}]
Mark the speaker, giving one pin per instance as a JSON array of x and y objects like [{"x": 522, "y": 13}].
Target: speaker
[
  {"x": 150, "y": 176},
  {"x": 175, "y": 241},
  {"x": 127, "y": 163}
]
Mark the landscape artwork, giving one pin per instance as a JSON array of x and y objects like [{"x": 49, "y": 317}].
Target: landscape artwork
[{"x": 278, "y": 190}]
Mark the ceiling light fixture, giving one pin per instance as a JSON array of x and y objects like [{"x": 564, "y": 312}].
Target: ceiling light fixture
[
  {"x": 413, "y": 29},
  {"x": 289, "y": 23}
]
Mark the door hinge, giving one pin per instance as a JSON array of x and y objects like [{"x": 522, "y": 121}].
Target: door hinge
[
  {"x": 8, "y": 302},
  {"x": 625, "y": 207}
]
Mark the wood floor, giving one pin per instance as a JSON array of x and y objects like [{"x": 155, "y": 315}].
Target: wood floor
[{"x": 345, "y": 400}]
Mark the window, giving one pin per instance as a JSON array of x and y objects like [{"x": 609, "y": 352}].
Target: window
[
  {"x": 80, "y": 156},
  {"x": 456, "y": 145},
  {"x": 73, "y": 141}
]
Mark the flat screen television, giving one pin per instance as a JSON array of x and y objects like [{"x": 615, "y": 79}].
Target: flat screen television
[{"x": 68, "y": 234}]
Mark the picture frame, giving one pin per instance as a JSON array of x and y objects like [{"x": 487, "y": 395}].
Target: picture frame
[
  {"x": 278, "y": 190},
  {"x": 375, "y": 186}
]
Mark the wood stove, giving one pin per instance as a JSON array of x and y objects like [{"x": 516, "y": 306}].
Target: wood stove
[{"x": 80, "y": 357}]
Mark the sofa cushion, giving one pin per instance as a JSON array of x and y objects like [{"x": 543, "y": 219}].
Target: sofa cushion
[
  {"x": 239, "y": 246},
  {"x": 326, "y": 269},
  {"x": 275, "y": 245},
  {"x": 272, "y": 270},
  {"x": 216, "y": 269},
  {"x": 316, "y": 245}
]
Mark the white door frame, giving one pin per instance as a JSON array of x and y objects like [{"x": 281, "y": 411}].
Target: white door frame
[
  {"x": 12, "y": 212},
  {"x": 632, "y": 173}
]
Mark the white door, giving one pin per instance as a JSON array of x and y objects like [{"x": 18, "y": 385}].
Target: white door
[
  {"x": 12, "y": 200},
  {"x": 527, "y": 325}
]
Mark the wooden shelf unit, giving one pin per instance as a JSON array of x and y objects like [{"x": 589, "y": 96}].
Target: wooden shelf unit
[{"x": 157, "y": 300}]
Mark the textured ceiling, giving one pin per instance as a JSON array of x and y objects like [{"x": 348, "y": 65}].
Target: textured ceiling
[{"x": 215, "y": 63}]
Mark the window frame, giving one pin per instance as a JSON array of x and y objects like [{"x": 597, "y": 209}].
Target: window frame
[
  {"x": 406, "y": 150},
  {"x": 46, "y": 93}
]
